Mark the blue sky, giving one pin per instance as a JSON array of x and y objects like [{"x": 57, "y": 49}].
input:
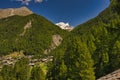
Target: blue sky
[{"x": 73, "y": 11}]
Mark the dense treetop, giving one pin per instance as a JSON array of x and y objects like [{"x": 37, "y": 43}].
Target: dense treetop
[{"x": 99, "y": 38}]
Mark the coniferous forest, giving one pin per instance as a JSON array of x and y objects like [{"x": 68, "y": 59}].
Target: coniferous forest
[{"x": 90, "y": 51}]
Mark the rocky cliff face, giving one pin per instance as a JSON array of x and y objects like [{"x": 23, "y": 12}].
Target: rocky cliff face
[
  {"x": 23, "y": 11},
  {"x": 56, "y": 41}
]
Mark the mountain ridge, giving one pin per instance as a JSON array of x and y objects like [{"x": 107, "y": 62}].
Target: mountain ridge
[
  {"x": 26, "y": 32},
  {"x": 22, "y": 11}
]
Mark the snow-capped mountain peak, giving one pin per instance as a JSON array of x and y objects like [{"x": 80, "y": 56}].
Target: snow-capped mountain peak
[{"x": 64, "y": 26}]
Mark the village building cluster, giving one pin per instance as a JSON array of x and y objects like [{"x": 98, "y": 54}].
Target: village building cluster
[{"x": 32, "y": 61}]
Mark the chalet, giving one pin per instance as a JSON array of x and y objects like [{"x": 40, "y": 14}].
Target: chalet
[
  {"x": 31, "y": 64},
  {"x": 44, "y": 60}
]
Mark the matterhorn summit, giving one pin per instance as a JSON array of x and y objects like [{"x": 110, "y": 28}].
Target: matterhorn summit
[{"x": 64, "y": 26}]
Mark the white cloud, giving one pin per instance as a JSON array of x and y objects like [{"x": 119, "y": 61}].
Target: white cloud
[
  {"x": 38, "y": 1},
  {"x": 26, "y": 2}
]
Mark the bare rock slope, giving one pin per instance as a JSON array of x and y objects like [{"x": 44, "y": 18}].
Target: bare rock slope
[
  {"x": 56, "y": 41},
  {"x": 112, "y": 76},
  {"x": 23, "y": 11}
]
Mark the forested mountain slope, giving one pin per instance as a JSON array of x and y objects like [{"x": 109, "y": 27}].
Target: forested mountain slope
[
  {"x": 32, "y": 34},
  {"x": 91, "y": 48}
]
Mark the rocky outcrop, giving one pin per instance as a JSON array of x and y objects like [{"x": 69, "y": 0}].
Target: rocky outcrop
[
  {"x": 56, "y": 41},
  {"x": 23, "y": 11},
  {"x": 26, "y": 27},
  {"x": 112, "y": 76}
]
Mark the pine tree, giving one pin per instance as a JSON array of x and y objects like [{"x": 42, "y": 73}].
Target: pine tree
[
  {"x": 22, "y": 69},
  {"x": 78, "y": 61},
  {"x": 37, "y": 74},
  {"x": 75, "y": 64},
  {"x": 7, "y": 73}
]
